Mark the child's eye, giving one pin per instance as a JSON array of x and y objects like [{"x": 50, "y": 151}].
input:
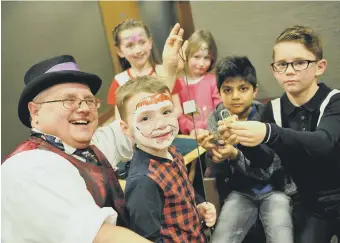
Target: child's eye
[
  {"x": 142, "y": 42},
  {"x": 145, "y": 118},
  {"x": 227, "y": 90},
  {"x": 244, "y": 88},
  {"x": 167, "y": 112},
  {"x": 129, "y": 45}
]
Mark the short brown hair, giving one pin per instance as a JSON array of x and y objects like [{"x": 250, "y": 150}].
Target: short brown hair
[
  {"x": 196, "y": 40},
  {"x": 149, "y": 84},
  {"x": 304, "y": 35}
]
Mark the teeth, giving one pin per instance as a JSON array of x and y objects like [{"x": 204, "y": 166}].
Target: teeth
[{"x": 80, "y": 122}]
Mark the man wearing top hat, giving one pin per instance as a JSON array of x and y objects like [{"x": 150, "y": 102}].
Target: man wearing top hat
[{"x": 56, "y": 187}]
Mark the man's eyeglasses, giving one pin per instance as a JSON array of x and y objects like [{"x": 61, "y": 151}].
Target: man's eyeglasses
[
  {"x": 75, "y": 103},
  {"x": 297, "y": 65}
]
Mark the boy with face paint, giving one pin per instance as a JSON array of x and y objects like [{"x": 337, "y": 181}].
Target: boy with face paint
[{"x": 161, "y": 201}]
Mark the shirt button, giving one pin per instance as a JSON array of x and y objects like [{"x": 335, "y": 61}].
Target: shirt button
[
  {"x": 302, "y": 118},
  {"x": 303, "y": 129}
]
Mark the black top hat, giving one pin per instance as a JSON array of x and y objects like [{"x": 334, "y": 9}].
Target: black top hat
[{"x": 56, "y": 70}]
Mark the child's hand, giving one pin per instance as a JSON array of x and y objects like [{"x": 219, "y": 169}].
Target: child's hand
[
  {"x": 205, "y": 140},
  {"x": 249, "y": 133},
  {"x": 207, "y": 212},
  {"x": 223, "y": 127},
  {"x": 223, "y": 152},
  {"x": 172, "y": 61}
]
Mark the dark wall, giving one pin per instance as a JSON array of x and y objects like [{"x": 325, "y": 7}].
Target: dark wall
[{"x": 33, "y": 31}]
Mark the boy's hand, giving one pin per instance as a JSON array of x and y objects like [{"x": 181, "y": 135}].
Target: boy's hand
[
  {"x": 249, "y": 133},
  {"x": 223, "y": 127},
  {"x": 207, "y": 212},
  {"x": 223, "y": 152},
  {"x": 205, "y": 140},
  {"x": 172, "y": 61}
]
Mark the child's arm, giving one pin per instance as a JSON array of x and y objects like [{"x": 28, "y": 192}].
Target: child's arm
[
  {"x": 177, "y": 104},
  {"x": 235, "y": 158},
  {"x": 285, "y": 141},
  {"x": 113, "y": 143},
  {"x": 145, "y": 202}
]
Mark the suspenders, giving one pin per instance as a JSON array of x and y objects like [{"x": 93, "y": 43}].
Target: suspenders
[{"x": 276, "y": 104}]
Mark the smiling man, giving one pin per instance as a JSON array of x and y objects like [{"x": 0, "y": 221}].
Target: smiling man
[{"x": 56, "y": 187}]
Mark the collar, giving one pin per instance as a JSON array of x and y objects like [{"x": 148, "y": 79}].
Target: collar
[
  {"x": 311, "y": 105},
  {"x": 142, "y": 154},
  {"x": 55, "y": 141},
  {"x": 132, "y": 77}
]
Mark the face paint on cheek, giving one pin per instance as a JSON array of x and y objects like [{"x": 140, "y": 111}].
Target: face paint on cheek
[{"x": 159, "y": 129}]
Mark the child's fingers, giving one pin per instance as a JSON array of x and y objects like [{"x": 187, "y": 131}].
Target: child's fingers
[
  {"x": 175, "y": 29},
  {"x": 178, "y": 43},
  {"x": 181, "y": 32},
  {"x": 185, "y": 45}
]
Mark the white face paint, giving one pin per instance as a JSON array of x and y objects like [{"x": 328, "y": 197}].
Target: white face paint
[{"x": 155, "y": 124}]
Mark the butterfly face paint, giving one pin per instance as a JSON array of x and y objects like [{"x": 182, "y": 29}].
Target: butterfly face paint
[{"x": 154, "y": 121}]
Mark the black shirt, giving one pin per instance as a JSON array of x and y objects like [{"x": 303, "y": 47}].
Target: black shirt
[{"x": 310, "y": 153}]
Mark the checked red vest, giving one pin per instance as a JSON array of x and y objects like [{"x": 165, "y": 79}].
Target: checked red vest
[{"x": 101, "y": 181}]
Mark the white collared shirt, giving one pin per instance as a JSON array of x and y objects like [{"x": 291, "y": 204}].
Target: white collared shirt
[{"x": 45, "y": 200}]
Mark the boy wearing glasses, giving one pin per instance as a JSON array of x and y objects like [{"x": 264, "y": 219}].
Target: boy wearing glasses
[{"x": 303, "y": 127}]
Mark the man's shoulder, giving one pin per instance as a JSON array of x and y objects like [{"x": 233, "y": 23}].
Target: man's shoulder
[{"x": 33, "y": 162}]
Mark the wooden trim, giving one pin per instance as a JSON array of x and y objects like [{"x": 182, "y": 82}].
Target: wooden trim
[
  {"x": 184, "y": 18},
  {"x": 114, "y": 12}
]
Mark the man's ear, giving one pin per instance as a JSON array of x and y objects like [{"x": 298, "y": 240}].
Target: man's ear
[
  {"x": 321, "y": 67},
  {"x": 34, "y": 111}
]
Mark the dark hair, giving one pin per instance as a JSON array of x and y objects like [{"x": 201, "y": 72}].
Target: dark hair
[
  {"x": 304, "y": 35},
  {"x": 235, "y": 67},
  {"x": 131, "y": 24}
]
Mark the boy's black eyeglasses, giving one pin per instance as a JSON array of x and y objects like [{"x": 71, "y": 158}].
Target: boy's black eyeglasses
[
  {"x": 297, "y": 65},
  {"x": 75, "y": 103}
]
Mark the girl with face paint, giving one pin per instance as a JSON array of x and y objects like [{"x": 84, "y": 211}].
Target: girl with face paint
[
  {"x": 200, "y": 83},
  {"x": 137, "y": 57}
]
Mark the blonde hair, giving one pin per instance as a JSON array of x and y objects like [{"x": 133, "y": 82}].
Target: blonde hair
[
  {"x": 131, "y": 24},
  {"x": 149, "y": 84},
  {"x": 196, "y": 40},
  {"x": 304, "y": 35}
]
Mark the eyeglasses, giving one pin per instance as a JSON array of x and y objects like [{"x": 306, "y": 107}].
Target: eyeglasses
[
  {"x": 75, "y": 103},
  {"x": 297, "y": 65}
]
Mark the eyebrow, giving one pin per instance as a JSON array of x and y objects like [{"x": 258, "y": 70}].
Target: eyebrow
[
  {"x": 244, "y": 84},
  {"x": 294, "y": 59}
]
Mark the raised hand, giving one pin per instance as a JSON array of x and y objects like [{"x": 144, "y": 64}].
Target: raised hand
[{"x": 172, "y": 54}]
